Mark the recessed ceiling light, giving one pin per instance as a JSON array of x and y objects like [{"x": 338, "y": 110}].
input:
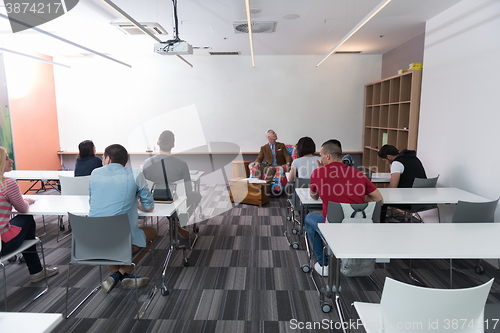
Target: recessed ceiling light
[{"x": 291, "y": 16}]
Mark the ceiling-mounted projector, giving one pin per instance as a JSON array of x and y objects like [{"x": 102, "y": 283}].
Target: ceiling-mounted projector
[{"x": 174, "y": 48}]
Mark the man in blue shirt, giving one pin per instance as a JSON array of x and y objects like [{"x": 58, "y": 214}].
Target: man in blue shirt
[{"x": 115, "y": 189}]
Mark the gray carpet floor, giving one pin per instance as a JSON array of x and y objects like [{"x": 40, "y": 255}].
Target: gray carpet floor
[{"x": 242, "y": 277}]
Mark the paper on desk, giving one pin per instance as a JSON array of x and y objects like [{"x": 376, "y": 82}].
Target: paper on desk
[{"x": 255, "y": 180}]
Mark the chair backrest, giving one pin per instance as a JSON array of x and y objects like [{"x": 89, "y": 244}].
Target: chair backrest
[
  {"x": 180, "y": 189},
  {"x": 302, "y": 182},
  {"x": 410, "y": 308},
  {"x": 425, "y": 183},
  {"x": 74, "y": 185},
  {"x": 336, "y": 214},
  {"x": 101, "y": 240},
  {"x": 467, "y": 212}
]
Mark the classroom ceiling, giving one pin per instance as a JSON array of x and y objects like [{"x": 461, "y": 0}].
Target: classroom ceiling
[{"x": 302, "y": 27}]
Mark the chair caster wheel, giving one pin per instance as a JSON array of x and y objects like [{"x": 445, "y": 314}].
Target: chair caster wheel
[
  {"x": 61, "y": 227},
  {"x": 13, "y": 259},
  {"x": 288, "y": 218},
  {"x": 479, "y": 269},
  {"x": 306, "y": 268},
  {"x": 326, "y": 308},
  {"x": 295, "y": 246},
  {"x": 185, "y": 262},
  {"x": 295, "y": 231},
  {"x": 164, "y": 291}
]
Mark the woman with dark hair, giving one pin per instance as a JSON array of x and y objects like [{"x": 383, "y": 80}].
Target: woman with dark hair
[
  {"x": 14, "y": 231},
  {"x": 303, "y": 166},
  {"x": 86, "y": 161}
]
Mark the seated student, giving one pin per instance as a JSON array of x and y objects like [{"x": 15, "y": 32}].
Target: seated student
[
  {"x": 113, "y": 190},
  {"x": 275, "y": 154},
  {"x": 405, "y": 167},
  {"x": 306, "y": 162},
  {"x": 86, "y": 161},
  {"x": 176, "y": 169},
  {"x": 334, "y": 181},
  {"x": 13, "y": 232}
]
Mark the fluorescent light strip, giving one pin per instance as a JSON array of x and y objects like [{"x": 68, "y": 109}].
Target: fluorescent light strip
[
  {"x": 249, "y": 23},
  {"x": 356, "y": 28},
  {"x": 33, "y": 57},
  {"x": 65, "y": 40},
  {"x": 139, "y": 26}
]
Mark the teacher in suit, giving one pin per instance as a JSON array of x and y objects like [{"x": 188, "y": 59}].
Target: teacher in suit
[{"x": 275, "y": 154}]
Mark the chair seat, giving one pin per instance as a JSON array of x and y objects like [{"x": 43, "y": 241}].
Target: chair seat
[
  {"x": 369, "y": 313},
  {"x": 25, "y": 245}
]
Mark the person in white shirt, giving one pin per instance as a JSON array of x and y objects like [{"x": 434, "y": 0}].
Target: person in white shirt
[{"x": 303, "y": 166}]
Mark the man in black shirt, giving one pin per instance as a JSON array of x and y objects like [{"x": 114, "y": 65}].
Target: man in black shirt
[{"x": 405, "y": 167}]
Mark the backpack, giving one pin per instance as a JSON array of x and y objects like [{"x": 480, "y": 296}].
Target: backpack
[{"x": 357, "y": 267}]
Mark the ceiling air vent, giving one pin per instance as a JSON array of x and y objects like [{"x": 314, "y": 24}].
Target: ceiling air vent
[
  {"x": 347, "y": 52},
  {"x": 130, "y": 29},
  {"x": 224, "y": 53},
  {"x": 257, "y": 27}
]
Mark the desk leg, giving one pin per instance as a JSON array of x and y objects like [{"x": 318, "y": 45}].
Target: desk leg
[{"x": 335, "y": 271}]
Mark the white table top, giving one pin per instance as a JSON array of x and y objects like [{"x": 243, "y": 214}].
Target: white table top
[
  {"x": 196, "y": 175},
  {"x": 38, "y": 174},
  {"x": 79, "y": 205},
  {"x": 440, "y": 195},
  {"x": 28, "y": 322},
  {"x": 413, "y": 240}
]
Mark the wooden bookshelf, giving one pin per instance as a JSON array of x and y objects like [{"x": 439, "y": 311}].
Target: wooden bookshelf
[{"x": 392, "y": 106}]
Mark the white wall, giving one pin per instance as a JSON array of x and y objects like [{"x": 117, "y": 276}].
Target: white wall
[
  {"x": 459, "y": 117},
  {"x": 223, "y": 97}
]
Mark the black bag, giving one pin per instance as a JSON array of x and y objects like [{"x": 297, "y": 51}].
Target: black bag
[{"x": 164, "y": 195}]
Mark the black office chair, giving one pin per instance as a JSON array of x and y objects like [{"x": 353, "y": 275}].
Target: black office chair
[{"x": 412, "y": 212}]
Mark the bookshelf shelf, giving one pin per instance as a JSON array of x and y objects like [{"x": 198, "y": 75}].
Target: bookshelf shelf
[{"x": 392, "y": 108}]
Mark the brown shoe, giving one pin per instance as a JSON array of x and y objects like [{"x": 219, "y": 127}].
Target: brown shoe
[
  {"x": 182, "y": 232},
  {"x": 41, "y": 275}
]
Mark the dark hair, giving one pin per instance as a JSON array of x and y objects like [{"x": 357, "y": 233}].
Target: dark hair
[
  {"x": 388, "y": 150},
  {"x": 86, "y": 148},
  {"x": 166, "y": 141},
  {"x": 117, "y": 153},
  {"x": 333, "y": 147},
  {"x": 305, "y": 146}
]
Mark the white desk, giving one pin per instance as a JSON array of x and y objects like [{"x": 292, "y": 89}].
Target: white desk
[
  {"x": 79, "y": 205},
  {"x": 27, "y": 322},
  {"x": 196, "y": 178},
  {"x": 36, "y": 176},
  {"x": 408, "y": 241},
  {"x": 413, "y": 240},
  {"x": 440, "y": 195}
]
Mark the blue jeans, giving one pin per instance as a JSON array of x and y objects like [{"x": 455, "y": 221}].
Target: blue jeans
[
  {"x": 312, "y": 221},
  {"x": 28, "y": 229}
]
